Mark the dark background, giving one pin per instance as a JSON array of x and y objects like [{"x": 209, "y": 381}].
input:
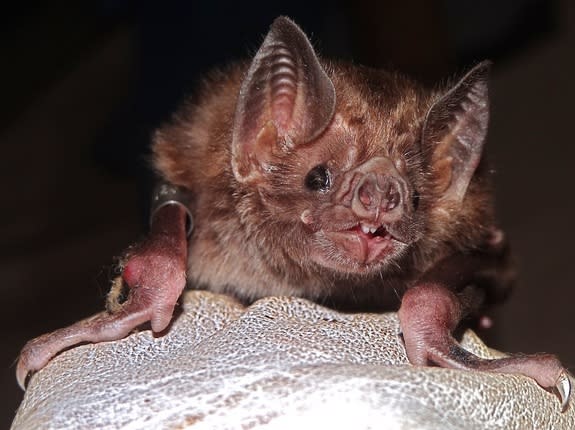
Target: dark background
[{"x": 82, "y": 86}]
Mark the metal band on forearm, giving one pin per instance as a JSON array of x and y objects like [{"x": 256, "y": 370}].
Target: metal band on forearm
[{"x": 167, "y": 194}]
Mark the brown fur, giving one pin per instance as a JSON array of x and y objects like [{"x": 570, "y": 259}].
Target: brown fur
[
  {"x": 343, "y": 184},
  {"x": 249, "y": 240}
]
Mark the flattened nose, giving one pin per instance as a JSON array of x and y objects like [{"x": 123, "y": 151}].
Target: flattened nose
[{"x": 376, "y": 194}]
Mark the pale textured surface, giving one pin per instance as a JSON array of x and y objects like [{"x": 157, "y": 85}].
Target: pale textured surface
[{"x": 281, "y": 363}]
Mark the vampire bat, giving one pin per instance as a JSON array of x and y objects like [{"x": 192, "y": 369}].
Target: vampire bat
[{"x": 291, "y": 175}]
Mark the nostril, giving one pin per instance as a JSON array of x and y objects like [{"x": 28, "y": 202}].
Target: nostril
[
  {"x": 392, "y": 198},
  {"x": 365, "y": 194},
  {"x": 367, "y": 197}
]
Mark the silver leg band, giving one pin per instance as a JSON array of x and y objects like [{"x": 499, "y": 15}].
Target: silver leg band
[{"x": 167, "y": 194}]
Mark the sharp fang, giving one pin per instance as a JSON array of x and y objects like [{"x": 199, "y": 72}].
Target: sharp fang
[{"x": 372, "y": 230}]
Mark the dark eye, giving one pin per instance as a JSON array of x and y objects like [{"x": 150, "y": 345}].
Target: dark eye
[{"x": 318, "y": 179}]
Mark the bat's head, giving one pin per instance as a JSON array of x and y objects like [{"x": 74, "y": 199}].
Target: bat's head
[{"x": 350, "y": 166}]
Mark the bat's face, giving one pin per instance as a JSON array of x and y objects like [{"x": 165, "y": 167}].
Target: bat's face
[
  {"x": 349, "y": 199},
  {"x": 362, "y": 213},
  {"x": 347, "y": 167}
]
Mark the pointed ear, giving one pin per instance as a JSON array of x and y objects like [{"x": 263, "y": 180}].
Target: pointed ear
[
  {"x": 286, "y": 99},
  {"x": 456, "y": 128}
]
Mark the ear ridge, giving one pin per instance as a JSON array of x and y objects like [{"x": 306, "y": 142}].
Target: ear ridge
[
  {"x": 286, "y": 88},
  {"x": 456, "y": 128}
]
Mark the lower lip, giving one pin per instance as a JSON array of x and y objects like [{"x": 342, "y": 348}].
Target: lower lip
[{"x": 361, "y": 247}]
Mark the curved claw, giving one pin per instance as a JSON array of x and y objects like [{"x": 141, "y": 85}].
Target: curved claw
[
  {"x": 23, "y": 376},
  {"x": 563, "y": 387}
]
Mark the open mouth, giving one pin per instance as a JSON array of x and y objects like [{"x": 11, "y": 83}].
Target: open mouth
[{"x": 364, "y": 243}]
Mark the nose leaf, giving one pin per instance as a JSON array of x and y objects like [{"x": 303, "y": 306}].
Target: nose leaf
[{"x": 375, "y": 195}]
